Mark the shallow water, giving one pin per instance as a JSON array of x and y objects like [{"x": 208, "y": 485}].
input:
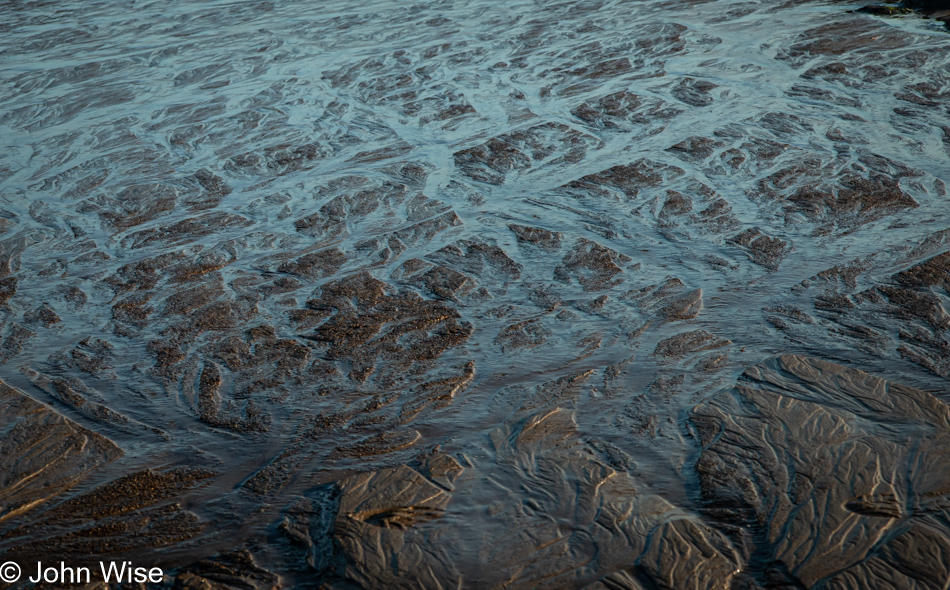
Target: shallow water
[{"x": 196, "y": 200}]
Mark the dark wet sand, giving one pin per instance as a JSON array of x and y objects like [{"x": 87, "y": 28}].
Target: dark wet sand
[{"x": 599, "y": 294}]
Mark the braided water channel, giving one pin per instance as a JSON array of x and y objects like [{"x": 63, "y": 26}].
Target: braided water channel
[{"x": 607, "y": 294}]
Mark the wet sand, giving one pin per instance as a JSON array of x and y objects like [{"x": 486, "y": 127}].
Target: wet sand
[{"x": 600, "y": 294}]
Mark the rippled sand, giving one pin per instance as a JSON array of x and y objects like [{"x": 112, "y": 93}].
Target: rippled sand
[{"x": 599, "y": 294}]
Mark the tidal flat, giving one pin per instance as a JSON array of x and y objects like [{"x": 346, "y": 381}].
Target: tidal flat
[{"x": 600, "y": 294}]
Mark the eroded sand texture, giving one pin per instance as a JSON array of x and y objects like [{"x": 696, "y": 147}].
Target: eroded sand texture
[{"x": 600, "y": 294}]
